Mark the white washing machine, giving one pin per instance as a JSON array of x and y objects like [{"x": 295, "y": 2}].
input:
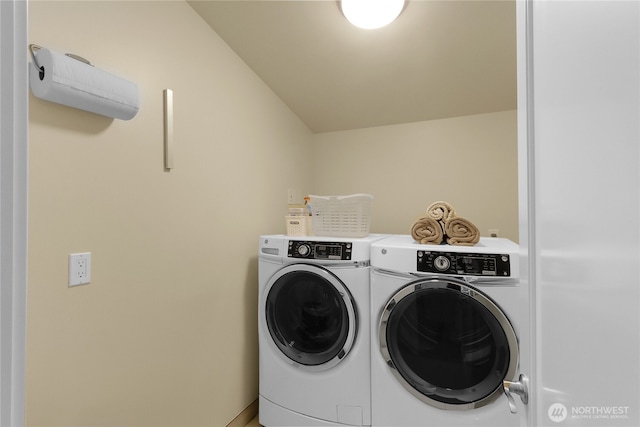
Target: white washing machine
[
  {"x": 314, "y": 331},
  {"x": 445, "y": 323}
]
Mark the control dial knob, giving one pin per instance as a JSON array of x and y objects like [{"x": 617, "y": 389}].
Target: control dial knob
[
  {"x": 304, "y": 250},
  {"x": 441, "y": 263}
]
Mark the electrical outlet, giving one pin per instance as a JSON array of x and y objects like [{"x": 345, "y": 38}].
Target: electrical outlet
[
  {"x": 79, "y": 269},
  {"x": 494, "y": 232}
]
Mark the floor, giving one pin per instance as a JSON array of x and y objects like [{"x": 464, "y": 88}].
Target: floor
[{"x": 253, "y": 423}]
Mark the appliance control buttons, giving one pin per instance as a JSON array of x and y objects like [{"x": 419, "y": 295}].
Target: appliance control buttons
[
  {"x": 462, "y": 263},
  {"x": 308, "y": 249}
]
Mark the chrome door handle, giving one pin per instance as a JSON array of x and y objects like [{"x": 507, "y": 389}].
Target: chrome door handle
[{"x": 520, "y": 387}]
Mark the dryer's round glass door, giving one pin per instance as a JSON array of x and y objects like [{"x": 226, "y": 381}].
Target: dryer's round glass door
[
  {"x": 448, "y": 343},
  {"x": 310, "y": 315}
]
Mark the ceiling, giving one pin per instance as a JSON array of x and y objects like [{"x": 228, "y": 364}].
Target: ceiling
[{"x": 439, "y": 59}]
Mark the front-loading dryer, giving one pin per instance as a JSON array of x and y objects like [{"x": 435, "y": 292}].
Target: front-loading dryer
[
  {"x": 314, "y": 331},
  {"x": 445, "y": 322}
]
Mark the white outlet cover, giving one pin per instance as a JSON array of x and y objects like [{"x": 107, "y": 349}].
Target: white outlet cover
[{"x": 79, "y": 269}]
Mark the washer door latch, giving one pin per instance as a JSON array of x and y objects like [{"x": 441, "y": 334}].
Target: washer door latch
[{"x": 520, "y": 387}]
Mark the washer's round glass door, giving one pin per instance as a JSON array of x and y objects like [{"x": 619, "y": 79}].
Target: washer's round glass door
[
  {"x": 448, "y": 343},
  {"x": 311, "y": 316}
]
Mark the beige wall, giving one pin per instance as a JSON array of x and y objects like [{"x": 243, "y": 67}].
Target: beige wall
[
  {"x": 468, "y": 161},
  {"x": 165, "y": 334}
]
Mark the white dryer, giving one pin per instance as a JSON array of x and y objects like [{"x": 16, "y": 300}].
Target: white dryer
[
  {"x": 445, "y": 323},
  {"x": 314, "y": 331}
]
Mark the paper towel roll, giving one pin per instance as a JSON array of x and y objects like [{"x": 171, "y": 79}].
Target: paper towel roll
[{"x": 73, "y": 83}]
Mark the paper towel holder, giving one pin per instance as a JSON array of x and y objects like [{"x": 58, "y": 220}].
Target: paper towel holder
[
  {"x": 73, "y": 81},
  {"x": 70, "y": 55}
]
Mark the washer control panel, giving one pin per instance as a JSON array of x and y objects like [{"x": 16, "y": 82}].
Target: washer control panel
[
  {"x": 466, "y": 264},
  {"x": 307, "y": 249}
]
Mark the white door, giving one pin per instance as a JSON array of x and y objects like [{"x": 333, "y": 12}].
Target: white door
[
  {"x": 13, "y": 208},
  {"x": 580, "y": 188}
]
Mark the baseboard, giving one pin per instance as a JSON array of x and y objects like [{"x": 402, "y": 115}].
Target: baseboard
[{"x": 245, "y": 416}]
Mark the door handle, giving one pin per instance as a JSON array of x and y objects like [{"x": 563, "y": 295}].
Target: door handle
[{"x": 520, "y": 387}]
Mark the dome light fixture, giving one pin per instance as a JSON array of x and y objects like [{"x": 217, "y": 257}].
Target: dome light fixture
[{"x": 370, "y": 14}]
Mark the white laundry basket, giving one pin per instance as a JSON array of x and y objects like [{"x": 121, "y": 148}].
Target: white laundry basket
[{"x": 341, "y": 216}]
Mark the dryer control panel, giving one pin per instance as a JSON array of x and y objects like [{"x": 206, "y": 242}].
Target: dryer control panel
[
  {"x": 308, "y": 249},
  {"x": 465, "y": 264}
]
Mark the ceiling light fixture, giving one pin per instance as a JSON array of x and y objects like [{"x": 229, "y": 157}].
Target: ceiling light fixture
[{"x": 370, "y": 14}]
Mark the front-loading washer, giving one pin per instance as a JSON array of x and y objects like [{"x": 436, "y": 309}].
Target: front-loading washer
[
  {"x": 314, "y": 331},
  {"x": 445, "y": 322}
]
